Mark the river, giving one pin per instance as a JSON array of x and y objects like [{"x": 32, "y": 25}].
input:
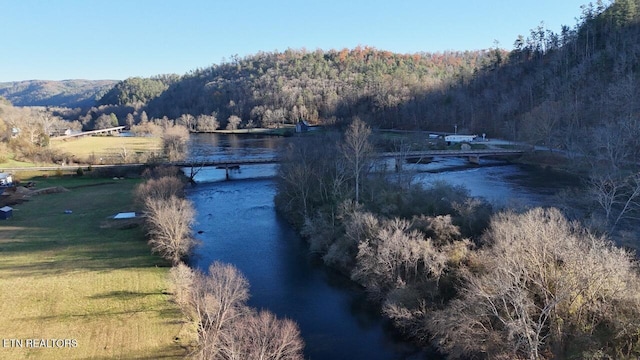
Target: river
[{"x": 237, "y": 224}]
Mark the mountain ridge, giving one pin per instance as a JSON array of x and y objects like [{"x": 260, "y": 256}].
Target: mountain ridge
[{"x": 70, "y": 93}]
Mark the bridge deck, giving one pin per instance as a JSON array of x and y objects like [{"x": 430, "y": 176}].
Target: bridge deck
[{"x": 430, "y": 153}]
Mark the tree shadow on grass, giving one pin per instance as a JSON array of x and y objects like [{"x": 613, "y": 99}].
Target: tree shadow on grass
[
  {"x": 124, "y": 295},
  {"x": 42, "y": 256},
  {"x": 164, "y": 313},
  {"x": 165, "y": 352}
]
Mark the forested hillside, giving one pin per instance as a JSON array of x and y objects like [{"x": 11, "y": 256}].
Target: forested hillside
[
  {"x": 576, "y": 90},
  {"x": 137, "y": 91},
  {"x": 554, "y": 89},
  {"x": 67, "y": 93},
  {"x": 318, "y": 86},
  {"x": 567, "y": 90}
]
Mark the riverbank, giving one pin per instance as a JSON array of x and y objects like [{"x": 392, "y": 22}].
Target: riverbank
[
  {"x": 285, "y": 130},
  {"x": 69, "y": 272}
]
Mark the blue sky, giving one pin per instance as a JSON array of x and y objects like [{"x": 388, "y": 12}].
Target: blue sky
[{"x": 116, "y": 39}]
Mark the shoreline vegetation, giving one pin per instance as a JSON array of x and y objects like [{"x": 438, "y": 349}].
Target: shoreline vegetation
[
  {"x": 218, "y": 323},
  {"x": 452, "y": 272}
]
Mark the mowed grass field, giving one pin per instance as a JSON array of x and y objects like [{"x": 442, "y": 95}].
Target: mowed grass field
[
  {"x": 108, "y": 147},
  {"x": 77, "y": 276}
]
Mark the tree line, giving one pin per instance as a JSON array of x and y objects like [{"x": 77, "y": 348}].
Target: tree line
[
  {"x": 219, "y": 324},
  {"x": 451, "y": 271}
]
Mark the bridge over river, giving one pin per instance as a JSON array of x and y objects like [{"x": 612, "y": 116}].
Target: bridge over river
[
  {"x": 234, "y": 163},
  {"x": 475, "y": 154},
  {"x": 418, "y": 156}
]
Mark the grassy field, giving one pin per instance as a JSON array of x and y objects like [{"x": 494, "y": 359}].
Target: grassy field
[
  {"x": 108, "y": 147},
  {"x": 11, "y": 163},
  {"x": 79, "y": 276}
]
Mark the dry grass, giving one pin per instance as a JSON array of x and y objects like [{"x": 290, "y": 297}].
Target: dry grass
[
  {"x": 62, "y": 276},
  {"x": 11, "y": 163},
  {"x": 108, "y": 147}
]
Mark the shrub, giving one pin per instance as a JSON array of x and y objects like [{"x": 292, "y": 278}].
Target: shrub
[
  {"x": 159, "y": 188},
  {"x": 546, "y": 286}
]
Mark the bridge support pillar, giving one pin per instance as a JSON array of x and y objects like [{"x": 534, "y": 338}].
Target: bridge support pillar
[
  {"x": 398, "y": 164},
  {"x": 474, "y": 159}
]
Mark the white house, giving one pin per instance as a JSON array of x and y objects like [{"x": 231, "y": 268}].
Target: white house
[
  {"x": 459, "y": 138},
  {"x": 6, "y": 179}
]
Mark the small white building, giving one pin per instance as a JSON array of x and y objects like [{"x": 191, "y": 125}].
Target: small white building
[
  {"x": 6, "y": 179},
  {"x": 6, "y": 212},
  {"x": 459, "y": 138}
]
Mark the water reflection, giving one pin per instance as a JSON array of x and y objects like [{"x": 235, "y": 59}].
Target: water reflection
[{"x": 238, "y": 225}]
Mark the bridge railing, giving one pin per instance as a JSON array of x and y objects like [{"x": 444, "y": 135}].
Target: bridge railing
[{"x": 429, "y": 153}]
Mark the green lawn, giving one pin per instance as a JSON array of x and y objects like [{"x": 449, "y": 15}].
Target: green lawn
[
  {"x": 78, "y": 276},
  {"x": 108, "y": 147}
]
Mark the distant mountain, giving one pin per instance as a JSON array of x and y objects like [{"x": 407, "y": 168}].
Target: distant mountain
[{"x": 66, "y": 93}]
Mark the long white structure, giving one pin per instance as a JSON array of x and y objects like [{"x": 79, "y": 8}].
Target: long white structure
[{"x": 459, "y": 138}]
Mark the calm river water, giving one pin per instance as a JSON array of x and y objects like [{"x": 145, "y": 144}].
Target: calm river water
[{"x": 237, "y": 223}]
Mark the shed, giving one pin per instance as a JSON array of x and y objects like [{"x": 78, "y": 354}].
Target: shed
[
  {"x": 125, "y": 215},
  {"x": 6, "y": 212},
  {"x": 302, "y": 126}
]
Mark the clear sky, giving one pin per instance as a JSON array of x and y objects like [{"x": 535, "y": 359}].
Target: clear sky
[{"x": 117, "y": 39}]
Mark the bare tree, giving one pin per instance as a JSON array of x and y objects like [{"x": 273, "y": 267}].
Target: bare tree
[
  {"x": 227, "y": 329},
  {"x": 129, "y": 120},
  {"x": 182, "y": 284},
  {"x": 618, "y": 196},
  {"x": 147, "y": 128},
  {"x": 543, "y": 286},
  {"x": 297, "y": 175},
  {"x": 395, "y": 255},
  {"x": 124, "y": 154},
  {"x": 169, "y": 224},
  {"x": 161, "y": 188},
  {"x": 356, "y": 148},
  {"x": 188, "y": 121},
  {"x": 48, "y": 121},
  {"x": 104, "y": 121},
  {"x": 233, "y": 122},
  {"x": 207, "y": 123},
  {"x": 262, "y": 336},
  {"x": 174, "y": 142},
  {"x": 218, "y": 300}
]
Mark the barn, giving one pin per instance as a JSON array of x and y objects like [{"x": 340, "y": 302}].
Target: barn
[{"x": 6, "y": 212}]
